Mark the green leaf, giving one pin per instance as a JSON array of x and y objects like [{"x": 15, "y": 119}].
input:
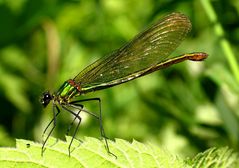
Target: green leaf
[
  {"x": 91, "y": 153},
  {"x": 216, "y": 158}
]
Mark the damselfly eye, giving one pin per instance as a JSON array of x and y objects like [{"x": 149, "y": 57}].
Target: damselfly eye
[{"x": 46, "y": 98}]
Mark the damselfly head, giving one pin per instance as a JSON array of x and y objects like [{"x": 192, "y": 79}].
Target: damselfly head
[{"x": 46, "y": 98}]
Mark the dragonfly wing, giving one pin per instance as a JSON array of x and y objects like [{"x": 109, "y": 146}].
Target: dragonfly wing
[{"x": 146, "y": 50}]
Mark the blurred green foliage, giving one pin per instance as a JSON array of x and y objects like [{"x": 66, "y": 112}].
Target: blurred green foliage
[{"x": 186, "y": 108}]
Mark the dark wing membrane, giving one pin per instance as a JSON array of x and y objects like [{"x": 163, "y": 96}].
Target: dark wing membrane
[{"x": 146, "y": 50}]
